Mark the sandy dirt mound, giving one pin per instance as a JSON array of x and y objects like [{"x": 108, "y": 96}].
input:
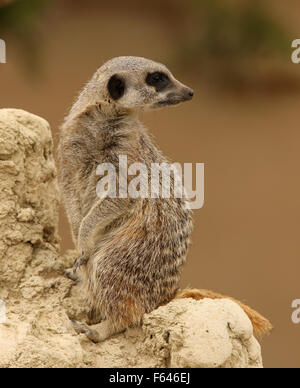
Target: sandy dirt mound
[{"x": 40, "y": 302}]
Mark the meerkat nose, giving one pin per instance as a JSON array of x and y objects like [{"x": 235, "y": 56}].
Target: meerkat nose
[{"x": 191, "y": 93}]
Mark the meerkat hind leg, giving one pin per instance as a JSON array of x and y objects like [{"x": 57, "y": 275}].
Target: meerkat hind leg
[
  {"x": 81, "y": 328},
  {"x": 94, "y": 317},
  {"x": 98, "y": 333}
]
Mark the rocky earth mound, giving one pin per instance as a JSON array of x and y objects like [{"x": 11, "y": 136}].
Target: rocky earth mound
[{"x": 37, "y": 301}]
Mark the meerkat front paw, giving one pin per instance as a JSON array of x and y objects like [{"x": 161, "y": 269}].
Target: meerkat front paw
[
  {"x": 69, "y": 273},
  {"x": 83, "y": 260}
]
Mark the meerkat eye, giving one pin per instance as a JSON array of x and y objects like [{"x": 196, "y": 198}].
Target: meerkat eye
[
  {"x": 159, "y": 80},
  {"x": 116, "y": 87}
]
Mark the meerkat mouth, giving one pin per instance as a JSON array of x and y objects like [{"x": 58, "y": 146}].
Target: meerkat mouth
[
  {"x": 175, "y": 99},
  {"x": 163, "y": 103}
]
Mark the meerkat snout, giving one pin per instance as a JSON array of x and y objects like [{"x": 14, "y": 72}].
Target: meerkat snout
[
  {"x": 183, "y": 94},
  {"x": 175, "y": 97},
  {"x": 169, "y": 90}
]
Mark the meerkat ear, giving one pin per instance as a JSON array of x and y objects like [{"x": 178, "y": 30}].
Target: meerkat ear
[{"x": 116, "y": 87}]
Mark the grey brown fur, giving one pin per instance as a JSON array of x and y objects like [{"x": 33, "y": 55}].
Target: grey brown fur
[{"x": 134, "y": 248}]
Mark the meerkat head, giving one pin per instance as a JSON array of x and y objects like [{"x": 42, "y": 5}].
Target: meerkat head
[{"x": 133, "y": 83}]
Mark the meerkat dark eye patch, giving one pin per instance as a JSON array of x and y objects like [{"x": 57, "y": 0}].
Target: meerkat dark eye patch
[
  {"x": 116, "y": 87},
  {"x": 158, "y": 80}
]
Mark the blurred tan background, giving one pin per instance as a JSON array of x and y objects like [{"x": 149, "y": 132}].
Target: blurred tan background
[{"x": 243, "y": 124}]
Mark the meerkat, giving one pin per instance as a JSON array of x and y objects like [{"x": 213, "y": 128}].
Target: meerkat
[{"x": 132, "y": 250}]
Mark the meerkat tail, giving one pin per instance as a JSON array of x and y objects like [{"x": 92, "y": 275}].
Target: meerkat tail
[{"x": 260, "y": 324}]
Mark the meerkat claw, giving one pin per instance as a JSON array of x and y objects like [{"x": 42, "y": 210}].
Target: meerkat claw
[
  {"x": 81, "y": 328},
  {"x": 69, "y": 273},
  {"x": 79, "y": 262},
  {"x": 93, "y": 336},
  {"x": 76, "y": 265}
]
